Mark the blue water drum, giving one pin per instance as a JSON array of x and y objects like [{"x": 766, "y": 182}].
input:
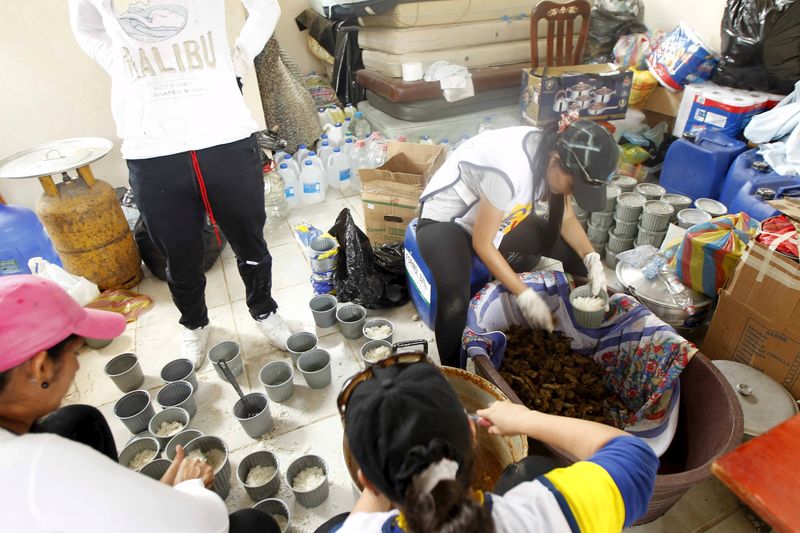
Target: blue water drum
[
  {"x": 751, "y": 182},
  {"x": 420, "y": 280},
  {"x": 696, "y": 165},
  {"x": 22, "y": 237}
]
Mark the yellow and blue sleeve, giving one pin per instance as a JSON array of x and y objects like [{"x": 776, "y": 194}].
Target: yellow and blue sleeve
[{"x": 609, "y": 491}]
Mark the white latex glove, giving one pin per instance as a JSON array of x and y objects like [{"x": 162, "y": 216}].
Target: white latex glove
[
  {"x": 597, "y": 273},
  {"x": 535, "y": 310}
]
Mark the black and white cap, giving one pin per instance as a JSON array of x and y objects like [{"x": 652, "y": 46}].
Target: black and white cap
[{"x": 591, "y": 155}]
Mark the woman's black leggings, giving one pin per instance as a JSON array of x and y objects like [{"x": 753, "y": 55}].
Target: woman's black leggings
[
  {"x": 87, "y": 425},
  {"x": 447, "y": 250}
]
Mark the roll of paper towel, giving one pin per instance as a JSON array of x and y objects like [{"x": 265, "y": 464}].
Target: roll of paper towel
[{"x": 708, "y": 106}]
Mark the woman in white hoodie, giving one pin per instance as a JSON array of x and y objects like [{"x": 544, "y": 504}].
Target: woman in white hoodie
[{"x": 188, "y": 139}]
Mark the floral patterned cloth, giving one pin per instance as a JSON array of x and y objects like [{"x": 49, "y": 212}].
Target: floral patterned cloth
[{"x": 642, "y": 355}]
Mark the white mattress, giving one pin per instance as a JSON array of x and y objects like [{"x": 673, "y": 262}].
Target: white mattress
[
  {"x": 443, "y": 37},
  {"x": 470, "y": 56},
  {"x": 448, "y": 12}
]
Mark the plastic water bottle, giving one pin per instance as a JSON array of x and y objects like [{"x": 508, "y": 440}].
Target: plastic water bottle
[
  {"x": 275, "y": 204},
  {"x": 319, "y": 165},
  {"x": 337, "y": 135},
  {"x": 445, "y": 143},
  {"x": 349, "y": 111},
  {"x": 359, "y": 160},
  {"x": 324, "y": 152},
  {"x": 301, "y": 154},
  {"x": 349, "y": 147},
  {"x": 294, "y": 165},
  {"x": 486, "y": 124},
  {"x": 361, "y": 128},
  {"x": 311, "y": 180},
  {"x": 324, "y": 118},
  {"x": 377, "y": 152},
  {"x": 348, "y": 127},
  {"x": 426, "y": 139},
  {"x": 291, "y": 185},
  {"x": 339, "y": 169}
]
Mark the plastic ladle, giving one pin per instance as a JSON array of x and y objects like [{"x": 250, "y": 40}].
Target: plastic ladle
[{"x": 251, "y": 410}]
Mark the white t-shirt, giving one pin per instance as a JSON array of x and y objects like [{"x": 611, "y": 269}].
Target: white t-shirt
[
  {"x": 51, "y": 484},
  {"x": 496, "y": 165},
  {"x": 173, "y": 75}
]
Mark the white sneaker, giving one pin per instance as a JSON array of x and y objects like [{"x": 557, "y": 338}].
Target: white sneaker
[
  {"x": 194, "y": 344},
  {"x": 275, "y": 330}
]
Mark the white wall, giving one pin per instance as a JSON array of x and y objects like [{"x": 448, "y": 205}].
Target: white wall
[
  {"x": 49, "y": 89},
  {"x": 703, "y": 16}
]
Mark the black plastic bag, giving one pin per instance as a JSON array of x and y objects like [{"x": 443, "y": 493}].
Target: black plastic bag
[
  {"x": 374, "y": 279},
  {"x": 156, "y": 261},
  {"x": 760, "y": 45},
  {"x": 606, "y": 26}
]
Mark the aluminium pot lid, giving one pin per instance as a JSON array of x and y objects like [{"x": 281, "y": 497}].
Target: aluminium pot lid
[
  {"x": 654, "y": 290},
  {"x": 54, "y": 157},
  {"x": 765, "y": 403}
]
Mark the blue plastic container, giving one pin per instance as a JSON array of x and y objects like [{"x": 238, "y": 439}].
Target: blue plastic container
[
  {"x": 420, "y": 281},
  {"x": 698, "y": 169},
  {"x": 22, "y": 237},
  {"x": 751, "y": 182}
]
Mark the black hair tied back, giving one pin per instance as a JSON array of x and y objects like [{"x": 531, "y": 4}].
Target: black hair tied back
[{"x": 450, "y": 506}]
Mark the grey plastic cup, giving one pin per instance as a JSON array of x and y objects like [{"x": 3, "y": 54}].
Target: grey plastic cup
[
  {"x": 371, "y": 345},
  {"x": 678, "y": 202},
  {"x": 98, "y": 344},
  {"x": 315, "y": 366},
  {"x": 183, "y": 438},
  {"x": 587, "y": 319},
  {"x": 268, "y": 489},
  {"x": 617, "y": 243},
  {"x": 316, "y": 496},
  {"x": 656, "y": 215},
  {"x": 602, "y": 219},
  {"x": 654, "y": 238},
  {"x": 178, "y": 394},
  {"x": 691, "y": 217},
  {"x": 125, "y": 371},
  {"x": 179, "y": 370},
  {"x": 323, "y": 307},
  {"x": 651, "y": 191},
  {"x": 626, "y": 229},
  {"x": 278, "y": 380},
  {"x": 599, "y": 248},
  {"x": 625, "y": 183},
  {"x": 170, "y": 414},
  {"x": 351, "y": 319},
  {"x": 629, "y": 206},
  {"x": 376, "y": 323},
  {"x": 596, "y": 234},
  {"x": 611, "y": 259},
  {"x": 319, "y": 246},
  {"x": 135, "y": 410},
  {"x": 137, "y": 446},
  {"x": 612, "y": 192},
  {"x": 300, "y": 343},
  {"x": 156, "y": 468},
  {"x": 578, "y": 210},
  {"x": 258, "y": 425},
  {"x": 231, "y": 353},
  {"x": 274, "y": 506},
  {"x": 222, "y": 474}
]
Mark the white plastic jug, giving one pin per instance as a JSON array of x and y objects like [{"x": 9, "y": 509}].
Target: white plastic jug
[
  {"x": 301, "y": 154},
  {"x": 291, "y": 185},
  {"x": 339, "y": 171},
  {"x": 290, "y": 162},
  {"x": 336, "y": 134},
  {"x": 312, "y": 182}
]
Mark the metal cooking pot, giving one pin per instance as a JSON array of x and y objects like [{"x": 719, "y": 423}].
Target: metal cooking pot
[
  {"x": 584, "y": 101},
  {"x": 492, "y": 453},
  {"x": 596, "y": 108},
  {"x": 560, "y": 104},
  {"x": 655, "y": 296},
  {"x": 580, "y": 89},
  {"x": 603, "y": 95}
]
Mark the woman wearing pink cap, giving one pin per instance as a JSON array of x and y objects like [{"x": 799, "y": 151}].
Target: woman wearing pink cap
[{"x": 59, "y": 466}]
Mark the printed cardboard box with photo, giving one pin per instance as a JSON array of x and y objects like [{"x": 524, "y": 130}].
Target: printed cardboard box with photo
[
  {"x": 390, "y": 193},
  {"x": 595, "y": 92}
]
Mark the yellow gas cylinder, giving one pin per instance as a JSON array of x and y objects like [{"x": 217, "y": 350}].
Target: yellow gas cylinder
[{"x": 85, "y": 222}]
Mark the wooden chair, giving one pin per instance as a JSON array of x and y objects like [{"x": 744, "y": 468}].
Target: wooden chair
[{"x": 561, "y": 28}]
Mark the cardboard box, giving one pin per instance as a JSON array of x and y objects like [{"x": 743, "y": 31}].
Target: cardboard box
[
  {"x": 390, "y": 193},
  {"x": 757, "y": 321},
  {"x": 662, "y": 106},
  {"x": 548, "y": 93}
]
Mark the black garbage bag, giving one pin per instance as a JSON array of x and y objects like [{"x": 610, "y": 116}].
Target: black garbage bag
[
  {"x": 760, "y": 45},
  {"x": 372, "y": 278},
  {"x": 156, "y": 261},
  {"x": 610, "y": 20}
]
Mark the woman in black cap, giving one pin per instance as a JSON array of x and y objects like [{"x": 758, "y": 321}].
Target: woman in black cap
[
  {"x": 414, "y": 445},
  {"x": 482, "y": 199}
]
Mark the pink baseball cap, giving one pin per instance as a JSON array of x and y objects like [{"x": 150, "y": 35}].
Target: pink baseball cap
[{"x": 36, "y": 314}]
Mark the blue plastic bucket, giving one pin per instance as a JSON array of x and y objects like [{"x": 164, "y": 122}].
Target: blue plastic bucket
[{"x": 682, "y": 58}]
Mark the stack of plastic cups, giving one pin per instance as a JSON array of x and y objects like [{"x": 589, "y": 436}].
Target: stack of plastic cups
[
  {"x": 602, "y": 222},
  {"x": 655, "y": 221},
  {"x": 626, "y": 224},
  {"x": 580, "y": 214}
]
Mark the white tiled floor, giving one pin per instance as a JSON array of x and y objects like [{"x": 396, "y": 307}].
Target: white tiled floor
[{"x": 308, "y": 422}]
